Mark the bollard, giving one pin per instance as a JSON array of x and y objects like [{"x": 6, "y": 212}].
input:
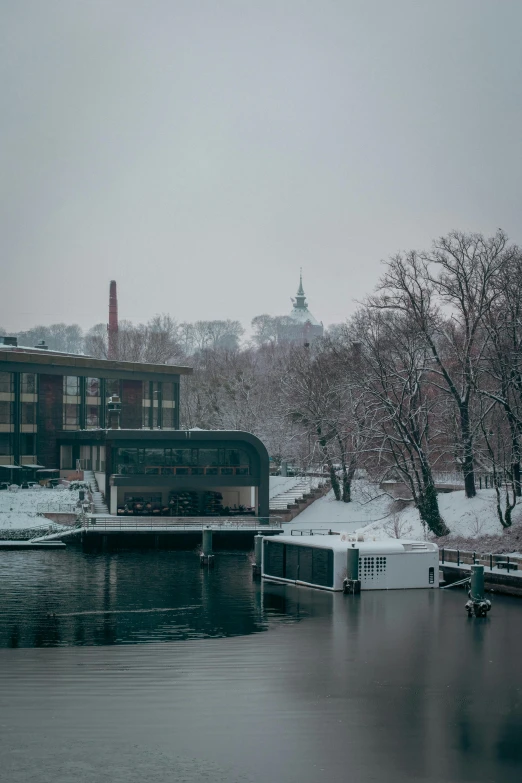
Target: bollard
[
  {"x": 477, "y": 582},
  {"x": 477, "y": 604}
]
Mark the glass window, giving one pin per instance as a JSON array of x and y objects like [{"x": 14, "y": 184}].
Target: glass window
[
  {"x": 28, "y": 383},
  {"x": 112, "y": 387},
  {"x": 6, "y": 412},
  {"x": 5, "y": 444},
  {"x": 71, "y": 385},
  {"x": 168, "y": 418},
  {"x": 66, "y": 457},
  {"x": 128, "y": 456},
  {"x": 184, "y": 457},
  {"x": 71, "y": 415},
  {"x": 92, "y": 388},
  {"x": 167, "y": 392},
  {"x": 92, "y": 418},
  {"x": 150, "y": 390},
  {"x": 6, "y": 382},
  {"x": 237, "y": 457},
  {"x": 27, "y": 443},
  {"x": 155, "y": 456},
  {"x": 208, "y": 457},
  {"x": 28, "y": 412},
  {"x": 85, "y": 457}
]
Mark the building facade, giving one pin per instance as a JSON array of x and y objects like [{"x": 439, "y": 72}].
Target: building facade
[{"x": 53, "y": 415}]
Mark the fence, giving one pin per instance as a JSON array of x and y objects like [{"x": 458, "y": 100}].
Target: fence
[{"x": 461, "y": 557}]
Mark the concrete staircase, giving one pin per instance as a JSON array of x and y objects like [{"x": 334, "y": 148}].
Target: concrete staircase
[
  {"x": 100, "y": 506},
  {"x": 299, "y": 492}
]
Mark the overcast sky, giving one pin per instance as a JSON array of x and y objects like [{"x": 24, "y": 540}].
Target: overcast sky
[{"x": 200, "y": 151}]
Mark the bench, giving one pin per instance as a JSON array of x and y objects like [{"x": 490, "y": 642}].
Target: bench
[{"x": 509, "y": 566}]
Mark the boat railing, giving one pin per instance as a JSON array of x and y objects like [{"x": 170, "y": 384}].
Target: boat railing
[{"x": 313, "y": 532}]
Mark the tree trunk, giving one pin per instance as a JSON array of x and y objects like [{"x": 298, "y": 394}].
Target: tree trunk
[
  {"x": 348, "y": 473},
  {"x": 428, "y": 506},
  {"x": 347, "y": 489},
  {"x": 331, "y": 470},
  {"x": 515, "y": 451},
  {"x": 516, "y": 479},
  {"x": 467, "y": 445}
]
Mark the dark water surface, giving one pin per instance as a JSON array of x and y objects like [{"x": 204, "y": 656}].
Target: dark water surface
[{"x": 141, "y": 667}]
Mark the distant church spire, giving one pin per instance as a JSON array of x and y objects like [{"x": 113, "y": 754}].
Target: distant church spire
[{"x": 300, "y": 299}]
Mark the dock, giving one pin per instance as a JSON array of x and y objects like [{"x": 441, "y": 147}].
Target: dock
[
  {"x": 14, "y": 545},
  {"x": 496, "y": 580},
  {"x": 106, "y": 533}
]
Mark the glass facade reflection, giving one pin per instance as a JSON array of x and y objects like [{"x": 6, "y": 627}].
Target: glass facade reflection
[{"x": 181, "y": 462}]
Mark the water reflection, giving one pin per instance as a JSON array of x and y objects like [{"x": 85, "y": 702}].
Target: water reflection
[
  {"x": 61, "y": 599},
  {"x": 308, "y": 686}
]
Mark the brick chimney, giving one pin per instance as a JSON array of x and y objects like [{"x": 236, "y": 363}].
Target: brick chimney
[{"x": 112, "y": 327}]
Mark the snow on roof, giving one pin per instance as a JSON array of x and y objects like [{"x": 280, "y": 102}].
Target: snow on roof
[
  {"x": 385, "y": 546},
  {"x": 303, "y": 315}
]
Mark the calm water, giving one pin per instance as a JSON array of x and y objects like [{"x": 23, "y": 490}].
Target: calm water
[{"x": 141, "y": 667}]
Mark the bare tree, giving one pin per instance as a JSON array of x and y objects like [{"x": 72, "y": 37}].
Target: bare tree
[
  {"x": 58, "y": 337},
  {"x": 270, "y": 329},
  {"x": 389, "y": 357},
  {"x": 156, "y": 341},
  {"x": 446, "y": 293}
]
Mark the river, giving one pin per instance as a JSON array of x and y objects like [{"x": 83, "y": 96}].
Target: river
[{"x": 140, "y": 666}]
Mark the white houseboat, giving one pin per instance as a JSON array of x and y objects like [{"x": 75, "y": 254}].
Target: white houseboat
[{"x": 330, "y": 562}]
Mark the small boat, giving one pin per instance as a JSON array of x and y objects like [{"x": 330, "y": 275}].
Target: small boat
[{"x": 337, "y": 562}]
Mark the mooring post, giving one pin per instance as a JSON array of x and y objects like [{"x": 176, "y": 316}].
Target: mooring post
[
  {"x": 258, "y": 553},
  {"x": 206, "y": 558},
  {"x": 477, "y": 582}
]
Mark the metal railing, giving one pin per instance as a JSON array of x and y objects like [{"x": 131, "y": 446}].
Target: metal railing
[
  {"x": 490, "y": 561},
  {"x": 48, "y": 508},
  {"x": 312, "y": 532},
  {"x": 155, "y": 524}
]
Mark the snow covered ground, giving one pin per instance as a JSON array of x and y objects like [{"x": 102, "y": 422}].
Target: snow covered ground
[
  {"x": 328, "y": 514},
  {"x": 382, "y": 517},
  {"x": 18, "y": 509}
]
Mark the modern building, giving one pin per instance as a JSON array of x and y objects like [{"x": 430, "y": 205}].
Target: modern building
[
  {"x": 303, "y": 326},
  {"x": 54, "y": 415}
]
